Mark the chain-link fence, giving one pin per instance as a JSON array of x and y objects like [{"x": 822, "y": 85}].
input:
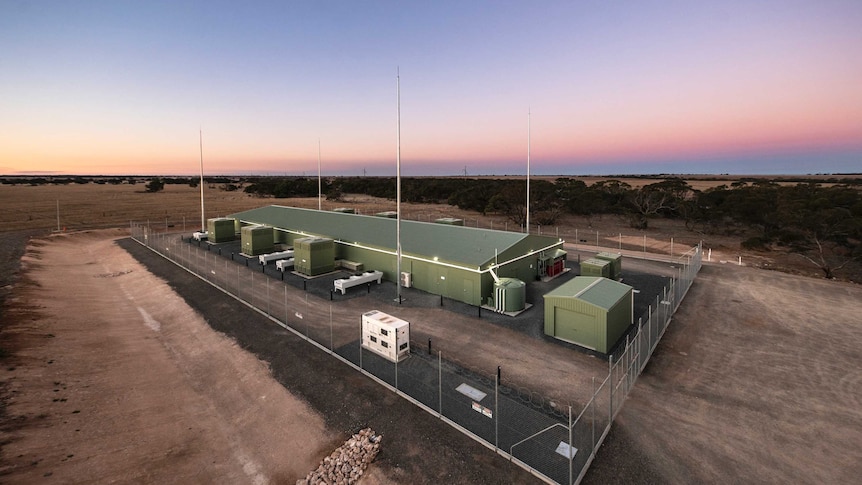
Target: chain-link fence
[{"x": 552, "y": 440}]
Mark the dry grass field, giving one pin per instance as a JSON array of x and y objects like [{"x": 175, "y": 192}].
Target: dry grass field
[{"x": 756, "y": 381}]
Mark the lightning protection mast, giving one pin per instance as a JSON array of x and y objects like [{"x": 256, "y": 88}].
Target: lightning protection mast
[
  {"x": 528, "y": 170},
  {"x": 398, "y": 181},
  {"x": 319, "y": 185},
  {"x": 201, "y": 140}
]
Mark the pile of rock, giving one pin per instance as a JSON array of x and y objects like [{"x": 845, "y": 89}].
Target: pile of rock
[{"x": 347, "y": 463}]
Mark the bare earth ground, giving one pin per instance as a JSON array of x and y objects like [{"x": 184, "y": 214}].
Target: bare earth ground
[
  {"x": 161, "y": 397},
  {"x": 757, "y": 380},
  {"x": 116, "y": 378}
]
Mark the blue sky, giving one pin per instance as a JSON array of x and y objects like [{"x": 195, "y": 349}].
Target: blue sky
[{"x": 643, "y": 87}]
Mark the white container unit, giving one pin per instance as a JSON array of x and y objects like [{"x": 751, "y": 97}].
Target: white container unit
[
  {"x": 266, "y": 258},
  {"x": 386, "y": 335}
]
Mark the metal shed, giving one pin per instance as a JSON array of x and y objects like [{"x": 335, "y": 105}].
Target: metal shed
[
  {"x": 454, "y": 261},
  {"x": 596, "y": 267},
  {"x": 616, "y": 260},
  {"x": 589, "y": 311},
  {"x": 314, "y": 255},
  {"x": 257, "y": 240},
  {"x": 221, "y": 229}
]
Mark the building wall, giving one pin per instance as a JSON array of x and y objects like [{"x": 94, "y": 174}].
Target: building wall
[
  {"x": 471, "y": 287},
  {"x": 618, "y": 320},
  {"x": 455, "y": 283}
]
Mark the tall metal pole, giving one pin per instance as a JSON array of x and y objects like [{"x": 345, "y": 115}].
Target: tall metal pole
[
  {"x": 398, "y": 183},
  {"x": 528, "y": 170},
  {"x": 319, "y": 184},
  {"x": 203, "y": 221},
  {"x": 571, "y": 455},
  {"x": 58, "y": 215}
]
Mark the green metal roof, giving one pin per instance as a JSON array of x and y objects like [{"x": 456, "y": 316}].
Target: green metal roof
[
  {"x": 601, "y": 292},
  {"x": 466, "y": 246}
]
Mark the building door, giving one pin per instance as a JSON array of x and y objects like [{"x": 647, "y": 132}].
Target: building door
[
  {"x": 576, "y": 327},
  {"x": 468, "y": 291}
]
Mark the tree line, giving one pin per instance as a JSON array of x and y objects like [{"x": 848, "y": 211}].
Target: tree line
[{"x": 820, "y": 223}]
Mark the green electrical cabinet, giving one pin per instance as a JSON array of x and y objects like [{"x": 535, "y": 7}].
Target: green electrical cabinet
[
  {"x": 257, "y": 240},
  {"x": 596, "y": 267},
  {"x": 221, "y": 229},
  {"x": 616, "y": 260},
  {"x": 314, "y": 255}
]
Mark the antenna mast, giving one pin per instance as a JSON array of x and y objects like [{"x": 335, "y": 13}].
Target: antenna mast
[
  {"x": 203, "y": 222},
  {"x": 528, "y": 170},
  {"x": 319, "y": 192},
  {"x": 398, "y": 180}
]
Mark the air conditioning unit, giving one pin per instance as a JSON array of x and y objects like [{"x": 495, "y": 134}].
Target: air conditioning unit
[{"x": 406, "y": 279}]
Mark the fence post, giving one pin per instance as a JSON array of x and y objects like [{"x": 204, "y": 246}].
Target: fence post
[
  {"x": 497, "y": 410},
  {"x": 440, "y": 383},
  {"x": 649, "y": 324},
  {"x": 593, "y": 417},
  {"x": 331, "y": 339},
  {"x": 571, "y": 455},
  {"x": 611, "y": 389}
]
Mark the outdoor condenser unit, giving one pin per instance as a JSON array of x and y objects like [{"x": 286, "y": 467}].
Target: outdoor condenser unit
[{"x": 406, "y": 279}]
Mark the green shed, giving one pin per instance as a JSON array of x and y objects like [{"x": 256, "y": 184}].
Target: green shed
[
  {"x": 596, "y": 267},
  {"x": 257, "y": 240},
  {"x": 314, "y": 255},
  {"x": 589, "y": 311},
  {"x": 221, "y": 229},
  {"x": 616, "y": 261}
]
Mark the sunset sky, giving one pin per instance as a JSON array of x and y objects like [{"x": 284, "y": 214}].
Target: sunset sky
[{"x": 121, "y": 87}]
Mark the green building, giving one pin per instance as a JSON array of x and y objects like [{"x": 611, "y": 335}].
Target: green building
[
  {"x": 448, "y": 260},
  {"x": 589, "y": 311}
]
